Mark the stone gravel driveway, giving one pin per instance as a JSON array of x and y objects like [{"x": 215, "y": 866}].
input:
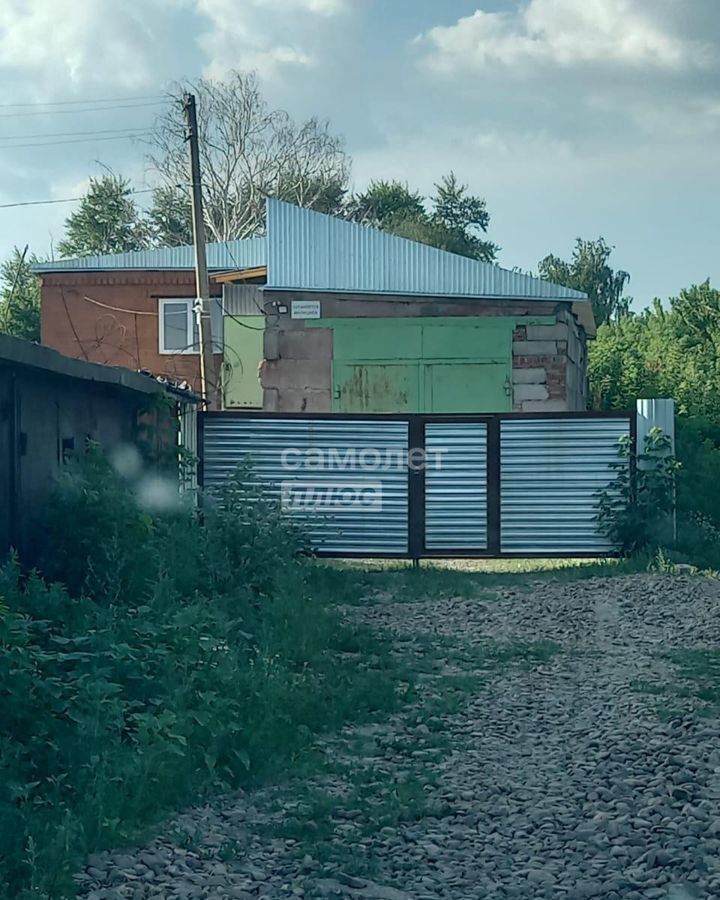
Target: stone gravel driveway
[{"x": 530, "y": 761}]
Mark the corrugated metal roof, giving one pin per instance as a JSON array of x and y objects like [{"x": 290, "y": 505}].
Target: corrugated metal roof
[
  {"x": 306, "y": 250},
  {"x": 311, "y": 251},
  {"x": 228, "y": 255},
  {"x": 19, "y": 352}
]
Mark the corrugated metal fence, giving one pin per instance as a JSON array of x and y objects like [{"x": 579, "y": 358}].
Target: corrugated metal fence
[{"x": 427, "y": 486}]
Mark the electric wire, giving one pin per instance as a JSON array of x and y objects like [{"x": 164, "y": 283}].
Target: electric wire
[
  {"x": 54, "y": 134},
  {"x": 62, "y": 112},
  {"x": 61, "y": 200},
  {"x": 80, "y": 102},
  {"x": 76, "y": 141}
]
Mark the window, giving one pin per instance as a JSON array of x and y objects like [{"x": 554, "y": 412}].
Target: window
[{"x": 178, "y": 332}]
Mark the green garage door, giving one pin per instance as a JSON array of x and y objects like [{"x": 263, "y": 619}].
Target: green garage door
[
  {"x": 422, "y": 365},
  {"x": 373, "y": 387},
  {"x": 467, "y": 387}
]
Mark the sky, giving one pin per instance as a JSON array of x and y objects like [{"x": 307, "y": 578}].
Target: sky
[{"x": 573, "y": 118}]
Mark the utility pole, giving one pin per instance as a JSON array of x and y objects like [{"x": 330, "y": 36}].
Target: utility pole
[{"x": 209, "y": 386}]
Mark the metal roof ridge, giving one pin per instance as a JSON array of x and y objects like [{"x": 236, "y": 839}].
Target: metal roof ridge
[{"x": 311, "y": 250}]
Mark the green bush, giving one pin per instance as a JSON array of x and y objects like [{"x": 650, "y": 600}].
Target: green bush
[
  {"x": 636, "y": 511},
  {"x": 174, "y": 657},
  {"x": 698, "y": 484},
  {"x": 669, "y": 504}
]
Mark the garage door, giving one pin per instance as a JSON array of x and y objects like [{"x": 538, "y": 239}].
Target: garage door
[
  {"x": 422, "y": 365},
  {"x": 378, "y": 387}
]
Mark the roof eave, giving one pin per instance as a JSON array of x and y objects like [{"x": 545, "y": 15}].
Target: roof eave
[{"x": 575, "y": 297}]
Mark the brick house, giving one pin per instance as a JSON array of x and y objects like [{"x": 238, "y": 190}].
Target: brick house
[
  {"x": 325, "y": 315},
  {"x": 133, "y": 309}
]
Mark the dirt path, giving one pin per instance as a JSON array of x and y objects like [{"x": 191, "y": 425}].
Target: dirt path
[{"x": 527, "y": 763}]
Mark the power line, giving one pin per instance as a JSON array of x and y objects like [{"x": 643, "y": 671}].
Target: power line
[
  {"x": 79, "y": 102},
  {"x": 62, "y": 112},
  {"x": 51, "y": 134},
  {"x": 63, "y": 200},
  {"x": 76, "y": 141},
  {"x": 121, "y": 309}
]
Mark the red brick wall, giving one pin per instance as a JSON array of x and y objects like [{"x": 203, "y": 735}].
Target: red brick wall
[{"x": 112, "y": 318}]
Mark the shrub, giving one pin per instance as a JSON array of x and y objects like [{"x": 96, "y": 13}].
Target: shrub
[
  {"x": 666, "y": 507},
  {"x": 173, "y": 658},
  {"x": 636, "y": 511},
  {"x": 698, "y": 482}
]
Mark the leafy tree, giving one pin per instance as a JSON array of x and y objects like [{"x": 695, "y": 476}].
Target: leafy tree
[
  {"x": 673, "y": 350},
  {"x": 697, "y": 311},
  {"x": 248, "y": 152},
  {"x": 463, "y": 217},
  {"x": 107, "y": 220},
  {"x": 589, "y": 271},
  {"x": 662, "y": 352},
  {"x": 169, "y": 218},
  {"x": 455, "y": 223},
  {"x": 386, "y": 204},
  {"x": 20, "y": 297}
]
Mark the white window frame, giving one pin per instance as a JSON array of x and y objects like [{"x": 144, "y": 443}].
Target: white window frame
[{"x": 188, "y": 302}]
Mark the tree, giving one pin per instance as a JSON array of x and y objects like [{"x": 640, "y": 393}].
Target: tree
[
  {"x": 107, "y": 220},
  {"x": 697, "y": 310},
  {"x": 248, "y": 152},
  {"x": 169, "y": 218},
  {"x": 455, "y": 223},
  {"x": 20, "y": 297},
  {"x": 463, "y": 217},
  {"x": 386, "y": 205},
  {"x": 672, "y": 350},
  {"x": 662, "y": 352},
  {"x": 589, "y": 271}
]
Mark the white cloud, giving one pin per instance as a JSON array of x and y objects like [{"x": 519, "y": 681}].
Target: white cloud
[
  {"x": 563, "y": 33},
  {"x": 265, "y": 35},
  {"x": 80, "y": 43}
]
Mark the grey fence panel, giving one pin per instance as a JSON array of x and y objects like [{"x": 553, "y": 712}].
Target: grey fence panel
[
  {"x": 456, "y": 486},
  {"x": 552, "y": 471},
  {"x": 353, "y": 458}
]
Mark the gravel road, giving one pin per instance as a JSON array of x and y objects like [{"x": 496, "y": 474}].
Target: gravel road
[{"x": 532, "y": 760}]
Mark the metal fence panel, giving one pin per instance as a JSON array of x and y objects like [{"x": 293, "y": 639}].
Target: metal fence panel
[
  {"x": 506, "y": 484},
  {"x": 322, "y": 453},
  {"x": 552, "y": 471},
  {"x": 456, "y": 486}
]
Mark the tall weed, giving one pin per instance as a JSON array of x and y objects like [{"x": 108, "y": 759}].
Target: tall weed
[{"x": 165, "y": 657}]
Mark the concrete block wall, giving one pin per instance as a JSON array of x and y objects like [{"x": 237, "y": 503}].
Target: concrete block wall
[
  {"x": 549, "y": 366},
  {"x": 296, "y": 373}
]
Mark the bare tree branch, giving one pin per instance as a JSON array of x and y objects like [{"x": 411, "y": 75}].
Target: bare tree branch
[{"x": 248, "y": 152}]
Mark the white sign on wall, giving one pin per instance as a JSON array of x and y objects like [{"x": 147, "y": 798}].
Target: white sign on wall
[{"x": 305, "y": 309}]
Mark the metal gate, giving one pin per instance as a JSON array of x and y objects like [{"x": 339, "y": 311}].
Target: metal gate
[{"x": 421, "y": 486}]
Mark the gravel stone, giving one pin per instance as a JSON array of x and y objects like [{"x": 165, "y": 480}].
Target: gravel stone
[{"x": 536, "y": 778}]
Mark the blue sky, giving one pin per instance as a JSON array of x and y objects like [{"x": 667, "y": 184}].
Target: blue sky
[{"x": 572, "y": 119}]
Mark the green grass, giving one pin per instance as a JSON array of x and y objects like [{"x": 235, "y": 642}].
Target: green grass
[
  {"x": 381, "y": 581},
  {"x": 696, "y": 678},
  {"x": 166, "y": 661},
  {"x": 699, "y": 671},
  {"x": 161, "y": 662},
  {"x": 386, "y": 778},
  {"x": 332, "y": 827}
]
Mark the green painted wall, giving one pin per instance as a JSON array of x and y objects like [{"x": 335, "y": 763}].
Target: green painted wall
[
  {"x": 243, "y": 354},
  {"x": 424, "y": 364}
]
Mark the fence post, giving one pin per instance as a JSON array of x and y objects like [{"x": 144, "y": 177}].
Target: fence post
[
  {"x": 494, "y": 477},
  {"x": 416, "y": 489},
  {"x": 657, "y": 414}
]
